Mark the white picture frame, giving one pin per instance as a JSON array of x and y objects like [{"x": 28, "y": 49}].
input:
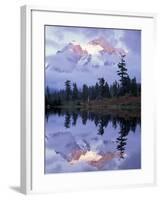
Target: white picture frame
[{"x": 33, "y": 179}]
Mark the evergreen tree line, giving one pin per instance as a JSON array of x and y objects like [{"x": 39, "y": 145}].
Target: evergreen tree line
[{"x": 101, "y": 90}]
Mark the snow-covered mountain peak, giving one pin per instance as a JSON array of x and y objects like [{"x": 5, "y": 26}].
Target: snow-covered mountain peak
[
  {"x": 97, "y": 57},
  {"x": 106, "y": 46}
]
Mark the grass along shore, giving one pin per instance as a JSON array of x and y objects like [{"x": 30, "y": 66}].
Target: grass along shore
[{"x": 123, "y": 106}]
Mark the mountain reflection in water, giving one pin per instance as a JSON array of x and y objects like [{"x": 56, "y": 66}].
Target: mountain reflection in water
[{"x": 79, "y": 141}]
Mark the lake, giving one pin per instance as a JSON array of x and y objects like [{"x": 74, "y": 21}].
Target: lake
[{"x": 82, "y": 141}]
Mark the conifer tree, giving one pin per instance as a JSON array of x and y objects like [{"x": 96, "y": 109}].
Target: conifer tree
[
  {"x": 122, "y": 73},
  {"x": 68, "y": 90},
  {"x": 101, "y": 87},
  {"x": 85, "y": 92},
  {"x": 75, "y": 92}
]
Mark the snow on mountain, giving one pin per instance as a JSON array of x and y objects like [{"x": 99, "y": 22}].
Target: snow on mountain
[
  {"x": 64, "y": 60},
  {"x": 96, "y": 52},
  {"x": 97, "y": 57},
  {"x": 107, "y": 47}
]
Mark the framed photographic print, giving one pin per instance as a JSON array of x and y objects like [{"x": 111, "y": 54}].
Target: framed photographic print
[{"x": 87, "y": 99}]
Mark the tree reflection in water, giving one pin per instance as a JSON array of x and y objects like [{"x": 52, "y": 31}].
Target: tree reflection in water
[
  {"x": 67, "y": 120},
  {"x": 101, "y": 121}
]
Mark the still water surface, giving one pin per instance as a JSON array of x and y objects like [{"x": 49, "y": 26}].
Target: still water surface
[{"x": 79, "y": 141}]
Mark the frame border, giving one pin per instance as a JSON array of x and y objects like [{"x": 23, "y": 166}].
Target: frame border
[{"x": 26, "y": 82}]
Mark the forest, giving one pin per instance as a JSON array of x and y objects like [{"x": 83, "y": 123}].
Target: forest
[{"x": 103, "y": 94}]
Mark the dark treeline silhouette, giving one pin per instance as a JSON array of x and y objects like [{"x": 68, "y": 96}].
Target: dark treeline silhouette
[
  {"x": 101, "y": 90},
  {"x": 100, "y": 120}
]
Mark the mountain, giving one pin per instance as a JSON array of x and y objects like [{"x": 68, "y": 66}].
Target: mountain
[
  {"x": 107, "y": 47},
  {"x": 97, "y": 58}
]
